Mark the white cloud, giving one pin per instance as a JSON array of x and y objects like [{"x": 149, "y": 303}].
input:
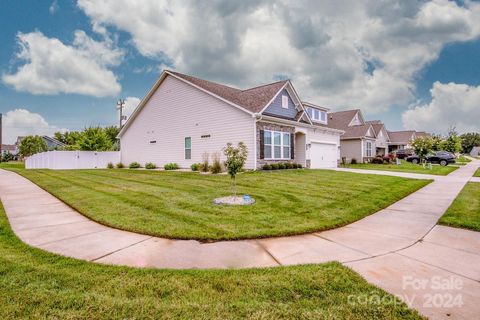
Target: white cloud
[
  {"x": 452, "y": 105},
  {"x": 52, "y": 67},
  {"x": 21, "y": 122},
  {"x": 325, "y": 47},
  {"x": 130, "y": 104}
]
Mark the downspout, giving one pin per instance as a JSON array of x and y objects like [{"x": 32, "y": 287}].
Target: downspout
[{"x": 257, "y": 117}]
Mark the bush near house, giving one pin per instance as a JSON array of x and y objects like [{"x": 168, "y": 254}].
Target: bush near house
[
  {"x": 150, "y": 165},
  {"x": 195, "y": 166},
  {"x": 134, "y": 165},
  {"x": 119, "y": 165},
  {"x": 216, "y": 166},
  {"x": 110, "y": 165},
  {"x": 171, "y": 166},
  {"x": 278, "y": 166}
]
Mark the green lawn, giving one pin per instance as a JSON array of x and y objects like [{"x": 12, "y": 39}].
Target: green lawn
[
  {"x": 38, "y": 285},
  {"x": 404, "y": 167},
  {"x": 179, "y": 204},
  {"x": 463, "y": 159},
  {"x": 465, "y": 210},
  {"x": 477, "y": 173}
]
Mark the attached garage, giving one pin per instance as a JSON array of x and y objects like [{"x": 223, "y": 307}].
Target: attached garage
[{"x": 323, "y": 155}]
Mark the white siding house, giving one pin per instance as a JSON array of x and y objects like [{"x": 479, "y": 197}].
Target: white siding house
[{"x": 182, "y": 118}]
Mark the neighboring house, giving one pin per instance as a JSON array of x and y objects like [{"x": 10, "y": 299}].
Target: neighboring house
[
  {"x": 183, "y": 117},
  {"x": 8, "y": 148},
  {"x": 381, "y": 143},
  {"x": 401, "y": 140},
  {"x": 52, "y": 143},
  {"x": 359, "y": 140},
  {"x": 475, "y": 152}
]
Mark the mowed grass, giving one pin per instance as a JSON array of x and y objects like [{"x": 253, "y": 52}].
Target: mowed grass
[
  {"x": 477, "y": 173},
  {"x": 180, "y": 204},
  {"x": 39, "y": 285},
  {"x": 465, "y": 210},
  {"x": 404, "y": 167}
]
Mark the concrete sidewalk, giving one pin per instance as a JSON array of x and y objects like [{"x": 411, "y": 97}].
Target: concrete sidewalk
[{"x": 397, "y": 242}]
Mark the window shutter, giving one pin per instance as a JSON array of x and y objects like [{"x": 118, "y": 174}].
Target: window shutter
[
  {"x": 262, "y": 144},
  {"x": 292, "y": 145}
]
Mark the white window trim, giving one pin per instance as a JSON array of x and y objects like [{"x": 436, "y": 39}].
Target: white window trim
[
  {"x": 285, "y": 102},
  {"x": 282, "y": 145},
  {"x": 314, "y": 119},
  {"x": 367, "y": 144},
  {"x": 185, "y": 148}
]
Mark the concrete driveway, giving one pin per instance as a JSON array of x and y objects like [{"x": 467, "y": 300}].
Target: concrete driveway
[{"x": 400, "y": 248}]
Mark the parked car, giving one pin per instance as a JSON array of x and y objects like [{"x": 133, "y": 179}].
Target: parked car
[
  {"x": 443, "y": 158},
  {"x": 403, "y": 153}
]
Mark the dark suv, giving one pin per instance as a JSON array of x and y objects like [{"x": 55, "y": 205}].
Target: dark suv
[
  {"x": 403, "y": 153},
  {"x": 443, "y": 158}
]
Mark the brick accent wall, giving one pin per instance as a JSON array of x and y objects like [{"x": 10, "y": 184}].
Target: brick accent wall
[{"x": 275, "y": 127}]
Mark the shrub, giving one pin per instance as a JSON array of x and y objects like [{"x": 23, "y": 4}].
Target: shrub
[
  {"x": 120, "y": 165},
  {"x": 205, "y": 164},
  {"x": 377, "y": 160},
  {"x": 267, "y": 167},
  {"x": 216, "y": 166},
  {"x": 171, "y": 166},
  {"x": 299, "y": 166},
  {"x": 195, "y": 166},
  {"x": 236, "y": 158},
  {"x": 353, "y": 161},
  {"x": 134, "y": 165},
  {"x": 274, "y": 166},
  {"x": 291, "y": 165},
  {"x": 150, "y": 165},
  {"x": 110, "y": 165}
]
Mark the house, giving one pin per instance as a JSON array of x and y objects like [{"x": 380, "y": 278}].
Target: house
[
  {"x": 182, "y": 118},
  {"x": 52, "y": 143},
  {"x": 475, "y": 152},
  {"x": 401, "y": 139},
  {"x": 359, "y": 140},
  {"x": 8, "y": 148},
  {"x": 383, "y": 139}
]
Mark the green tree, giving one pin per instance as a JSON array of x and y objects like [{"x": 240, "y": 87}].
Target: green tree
[
  {"x": 422, "y": 146},
  {"x": 95, "y": 139},
  {"x": 436, "y": 141},
  {"x": 236, "y": 158},
  {"x": 470, "y": 140},
  {"x": 112, "y": 133},
  {"x": 453, "y": 143},
  {"x": 31, "y": 145}
]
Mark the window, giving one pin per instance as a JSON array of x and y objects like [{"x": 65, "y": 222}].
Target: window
[
  {"x": 188, "y": 148},
  {"x": 368, "y": 148},
  {"x": 285, "y": 102},
  {"x": 317, "y": 115},
  {"x": 276, "y": 145}
]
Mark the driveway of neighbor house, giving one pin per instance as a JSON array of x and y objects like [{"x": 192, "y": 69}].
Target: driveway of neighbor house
[{"x": 390, "y": 248}]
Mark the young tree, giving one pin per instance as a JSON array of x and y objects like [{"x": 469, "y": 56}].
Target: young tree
[
  {"x": 236, "y": 158},
  {"x": 470, "y": 140},
  {"x": 422, "y": 146},
  {"x": 453, "y": 143},
  {"x": 95, "y": 139},
  {"x": 31, "y": 145}
]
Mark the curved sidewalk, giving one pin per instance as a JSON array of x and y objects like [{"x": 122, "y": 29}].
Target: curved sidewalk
[{"x": 401, "y": 240}]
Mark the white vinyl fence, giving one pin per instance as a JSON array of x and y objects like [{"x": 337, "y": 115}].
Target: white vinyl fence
[{"x": 72, "y": 159}]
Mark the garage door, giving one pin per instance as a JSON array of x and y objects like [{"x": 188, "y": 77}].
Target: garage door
[{"x": 323, "y": 155}]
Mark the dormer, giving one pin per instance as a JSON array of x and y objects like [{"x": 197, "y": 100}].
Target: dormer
[
  {"x": 316, "y": 113},
  {"x": 357, "y": 119}
]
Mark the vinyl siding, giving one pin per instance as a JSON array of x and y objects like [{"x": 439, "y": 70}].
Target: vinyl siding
[
  {"x": 351, "y": 149},
  {"x": 177, "y": 110},
  {"x": 275, "y": 108}
]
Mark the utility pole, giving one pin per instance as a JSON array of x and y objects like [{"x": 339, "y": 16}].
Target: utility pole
[
  {"x": 1, "y": 128},
  {"x": 120, "y": 106}
]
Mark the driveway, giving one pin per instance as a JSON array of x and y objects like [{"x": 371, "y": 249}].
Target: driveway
[{"x": 399, "y": 248}]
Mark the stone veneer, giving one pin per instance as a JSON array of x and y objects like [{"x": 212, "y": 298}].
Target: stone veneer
[{"x": 274, "y": 127}]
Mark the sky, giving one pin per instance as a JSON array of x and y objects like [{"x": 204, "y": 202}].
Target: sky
[{"x": 412, "y": 64}]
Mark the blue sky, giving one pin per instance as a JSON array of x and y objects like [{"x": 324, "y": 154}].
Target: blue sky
[{"x": 411, "y": 64}]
